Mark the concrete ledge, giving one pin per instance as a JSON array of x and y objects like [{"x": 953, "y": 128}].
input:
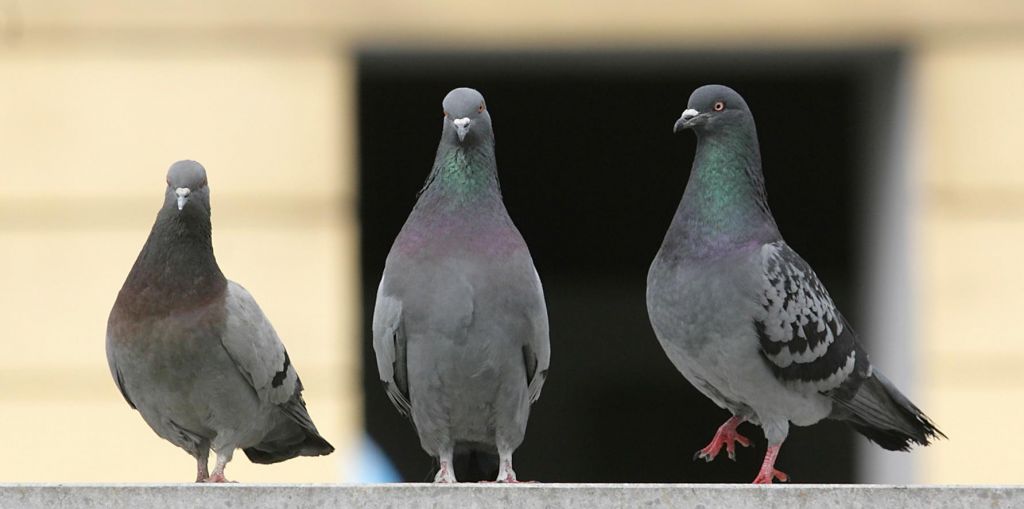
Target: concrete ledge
[{"x": 525, "y": 496}]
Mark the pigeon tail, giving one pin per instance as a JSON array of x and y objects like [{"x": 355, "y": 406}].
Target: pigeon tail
[
  {"x": 303, "y": 443},
  {"x": 293, "y": 436},
  {"x": 885, "y": 416}
]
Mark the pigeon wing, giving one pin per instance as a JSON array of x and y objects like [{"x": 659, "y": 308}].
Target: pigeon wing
[
  {"x": 805, "y": 341},
  {"x": 118, "y": 379},
  {"x": 537, "y": 350},
  {"x": 257, "y": 351},
  {"x": 389, "y": 346}
]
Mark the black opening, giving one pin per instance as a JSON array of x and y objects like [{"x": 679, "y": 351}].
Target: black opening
[{"x": 591, "y": 174}]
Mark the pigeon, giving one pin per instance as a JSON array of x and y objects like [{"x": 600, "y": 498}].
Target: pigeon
[
  {"x": 745, "y": 319},
  {"x": 460, "y": 327},
  {"x": 193, "y": 352}
]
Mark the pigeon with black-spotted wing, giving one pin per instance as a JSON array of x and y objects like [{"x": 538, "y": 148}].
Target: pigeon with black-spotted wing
[
  {"x": 460, "y": 328},
  {"x": 194, "y": 353},
  {"x": 745, "y": 319}
]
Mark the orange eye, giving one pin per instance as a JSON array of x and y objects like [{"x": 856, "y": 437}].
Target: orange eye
[
  {"x": 719, "y": 106},
  {"x": 481, "y": 108},
  {"x": 446, "y": 114}
]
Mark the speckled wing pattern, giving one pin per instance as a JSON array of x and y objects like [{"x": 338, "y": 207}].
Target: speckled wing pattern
[{"x": 805, "y": 340}]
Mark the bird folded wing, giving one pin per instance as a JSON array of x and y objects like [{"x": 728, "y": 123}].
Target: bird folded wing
[
  {"x": 256, "y": 350},
  {"x": 805, "y": 341},
  {"x": 537, "y": 350},
  {"x": 118, "y": 379},
  {"x": 389, "y": 346}
]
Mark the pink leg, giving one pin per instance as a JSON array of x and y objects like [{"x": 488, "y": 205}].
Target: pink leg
[
  {"x": 218, "y": 471},
  {"x": 505, "y": 472},
  {"x": 445, "y": 468},
  {"x": 202, "y": 470},
  {"x": 768, "y": 472},
  {"x": 202, "y": 474},
  {"x": 217, "y": 478},
  {"x": 444, "y": 474},
  {"x": 727, "y": 436}
]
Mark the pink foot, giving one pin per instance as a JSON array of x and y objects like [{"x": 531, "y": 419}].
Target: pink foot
[
  {"x": 511, "y": 479},
  {"x": 505, "y": 474},
  {"x": 768, "y": 473},
  {"x": 764, "y": 477},
  {"x": 218, "y": 478},
  {"x": 727, "y": 436},
  {"x": 444, "y": 475}
]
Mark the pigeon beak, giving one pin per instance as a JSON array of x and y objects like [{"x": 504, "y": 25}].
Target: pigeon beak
[
  {"x": 686, "y": 121},
  {"x": 461, "y": 127},
  {"x": 182, "y": 194}
]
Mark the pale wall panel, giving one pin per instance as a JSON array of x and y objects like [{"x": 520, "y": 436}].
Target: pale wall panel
[
  {"x": 107, "y": 123},
  {"x": 87, "y": 137},
  {"x": 971, "y": 244},
  {"x": 531, "y": 22},
  {"x": 971, "y": 115}
]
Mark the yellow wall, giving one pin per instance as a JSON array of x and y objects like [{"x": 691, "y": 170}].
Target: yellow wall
[
  {"x": 971, "y": 249},
  {"x": 98, "y": 98},
  {"x": 87, "y": 136}
]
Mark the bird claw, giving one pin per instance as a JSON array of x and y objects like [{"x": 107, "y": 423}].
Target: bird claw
[
  {"x": 444, "y": 475},
  {"x": 765, "y": 478},
  {"x": 727, "y": 437},
  {"x": 218, "y": 479}
]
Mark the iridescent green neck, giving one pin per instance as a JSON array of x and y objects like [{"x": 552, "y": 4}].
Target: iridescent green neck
[
  {"x": 724, "y": 206},
  {"x": 462, "y": 176}
]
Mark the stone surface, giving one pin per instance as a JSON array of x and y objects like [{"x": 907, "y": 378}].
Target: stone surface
[{"x": 524, "y": 496}]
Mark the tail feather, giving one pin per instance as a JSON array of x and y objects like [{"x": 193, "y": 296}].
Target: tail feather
[
  {"x": 293, "y": 436},
  {"x": 885, "y": 416},
  {"x": 310, "y": 444}
]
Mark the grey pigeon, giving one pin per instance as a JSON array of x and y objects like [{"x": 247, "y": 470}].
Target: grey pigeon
[
  {"x": 460, "y": 327},
  {"x": 745, "y": 319},
  {"x": 193, "y": 352}
]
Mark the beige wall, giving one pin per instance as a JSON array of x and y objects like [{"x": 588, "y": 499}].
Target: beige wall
[
  {"x": 87, "y": 135},
  {"x": 971, "y": 249},
  {"x": 98, "y": 98}
]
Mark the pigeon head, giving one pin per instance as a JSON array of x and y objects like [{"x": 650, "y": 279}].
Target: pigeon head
[
  {"x": 466, "y": 119},
  {"x": 186, "y": 187},
  {"x": 712, "y": 108}
]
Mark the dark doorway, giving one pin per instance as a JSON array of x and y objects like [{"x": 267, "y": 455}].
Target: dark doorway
[{"x": 591, "y": 173}]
